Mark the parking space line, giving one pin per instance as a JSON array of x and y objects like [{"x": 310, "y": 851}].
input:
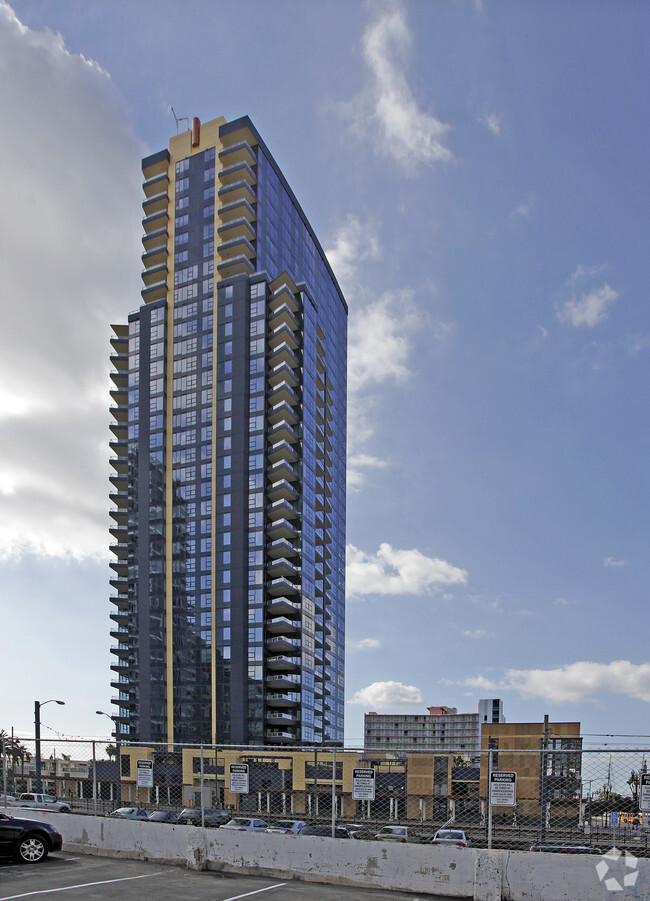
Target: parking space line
[
  {"x": 246, "y": 895},
  {"x": 67, "y": 888}
]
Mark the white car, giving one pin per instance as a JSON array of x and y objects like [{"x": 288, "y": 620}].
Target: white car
[
  {"x": 393, "y": 834},
  {"x": 450, "y": 837},
  {"x": 286, "y": 827},
  {"x": 246, "y": 824}
]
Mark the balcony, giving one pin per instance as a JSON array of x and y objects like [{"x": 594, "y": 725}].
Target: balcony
[
  {"x": 155, "y": 291},
  {"x": 155, "y": 238},
  {"x": 282, "y": 698},
  {"x": 283, "y": 333},
  {"x": 120, "y": 601},
  {"x": 282, "y": 663},
  {"x": 157, "y": 184},
  {"x": 283, "y": 315},
  {"x": 155, "y": 204},
  {"x": 238, "y": 209},
  {"x": 276, "y": 718},
  {"x": 280, "y": 548},
  {"x": 282, "y": 432},
  {"x": 283, "y": 373},
  {"x": 241, "y": 152},
  {"x": 284, "y": 295},
  {"x": 283, "y": 393},
  {"x": 236, "y": 228},
  {"x": 154, "y": 274},
  {"x": 282, "y": 411},
  {"x": 281, "y": 625},
  {"x": 281, "y": 509},
  {"x": 282, "y": 491},
  {"x": 239, "y": 265},
  {"x": 156, "y": 222},
  {"x": 280, "y": 735},
  {"x": 121, "y": 585},
  {"x": 238, "y": 190},
  {"x": 282, "y": 568},
  {"x": 119, "y": 616},
  {"x": 282, "y": 470},
  {"x": 281, "y": 528},
  {"x": 282, "y": 645},
  {"x": 283, "y": 354},
  {"x": 238, "y": 171},
  {"x": 120, "y": 361},
  {"x": 120, "y": 498},
  {"x": 119, "y": 464},
  {"x": 281, "y": 587},
  {"x": 282, "y": 451},
  {"x": 120, "y": 397},
  {"x": 120, "y": 380},
  {"x": 283, "y": 607}
]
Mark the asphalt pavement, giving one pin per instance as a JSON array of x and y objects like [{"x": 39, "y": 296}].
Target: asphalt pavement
[{"x": 88, "y": 878}]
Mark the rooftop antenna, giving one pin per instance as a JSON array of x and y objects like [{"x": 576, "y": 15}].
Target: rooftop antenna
[{"x": 179, "y": 120}]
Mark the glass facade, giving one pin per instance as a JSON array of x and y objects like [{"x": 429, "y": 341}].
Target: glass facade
[{"x": 229, "y": 482}]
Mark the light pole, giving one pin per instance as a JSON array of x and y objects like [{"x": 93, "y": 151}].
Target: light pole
[
  {"x": 118, "y": 745},
  {"x": 37, "y": 736}
]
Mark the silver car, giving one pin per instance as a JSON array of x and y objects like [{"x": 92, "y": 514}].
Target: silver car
[
  {"x": 286, "y": 827},
  {"x": 246, "y": 824},
  {"x": 393, "y": 834}
]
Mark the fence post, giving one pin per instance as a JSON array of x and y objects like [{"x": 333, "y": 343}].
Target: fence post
[
  {"x": 202, "y": 801},
  {"x": 4, "y": 771},
  {"x": 489, "y": 801},
  {"x": 333, "y": 792},
  {"x": 94, "y": 779}
]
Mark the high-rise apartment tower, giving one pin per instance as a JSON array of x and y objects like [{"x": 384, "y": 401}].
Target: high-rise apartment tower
[{"x": 229, "y": 458}]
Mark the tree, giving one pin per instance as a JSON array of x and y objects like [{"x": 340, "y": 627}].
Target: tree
[
  {"x": 111, "y": 750},
  {"x": 14, "y": 748}
]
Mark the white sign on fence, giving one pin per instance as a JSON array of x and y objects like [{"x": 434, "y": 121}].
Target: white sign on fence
[
  {"x": 363, "y": 783},
  {"x": 144, "y": 769},
  {"x": 644, "y": 803},
  {"x": 239, "y": 778},
  {"x": 503, "y": 789}
]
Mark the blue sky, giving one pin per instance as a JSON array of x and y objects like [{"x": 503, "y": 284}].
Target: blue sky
[{"x": 477, "y": 173}]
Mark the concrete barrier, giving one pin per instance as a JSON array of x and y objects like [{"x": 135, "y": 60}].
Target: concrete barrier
[{"x": 464, "y": 873}]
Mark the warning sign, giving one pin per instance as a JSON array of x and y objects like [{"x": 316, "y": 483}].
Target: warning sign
[
  {"x": 363, "y": 783},
  {"x": 239, "y": 778},
  {"x": 503, "y": 789}
]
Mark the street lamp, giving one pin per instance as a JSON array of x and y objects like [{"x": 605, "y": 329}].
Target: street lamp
[
  {"x": 37, "y": 736},
  {"x": 118, "y": 745}
]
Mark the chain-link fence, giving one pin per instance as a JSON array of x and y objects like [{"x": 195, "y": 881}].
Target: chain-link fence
[{"x": 499, "y": 798}]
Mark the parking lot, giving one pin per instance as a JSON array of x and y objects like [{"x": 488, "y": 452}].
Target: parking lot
[{"x": 86, "y": 878}]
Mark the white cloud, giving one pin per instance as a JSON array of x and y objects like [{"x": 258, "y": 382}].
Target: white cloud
[
  {"x": 379, "y": 341},
  {"x": 357, "y": 466},
  {"x": 394, "y": 571},
  {"x": 387, "y": 694},
  {"x": 522, "y": 211},
  {"x": 355, "y": 242},
  {"x": 477, "y": 633},
  {"x": 611, "y": 561},
  {"x": 71, "y": 187},
  {"x": 493, "y": 122},
  {"x": 573, "y": 682},
  {"x": 387, "y": 114},
  {"x": 589, "y": 308},
  {"x": 366, "y": 644}
]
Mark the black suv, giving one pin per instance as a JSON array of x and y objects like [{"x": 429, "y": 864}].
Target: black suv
[{"x": 28, "y": 840}]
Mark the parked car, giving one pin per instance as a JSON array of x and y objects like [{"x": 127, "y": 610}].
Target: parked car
[
  {"x": 191, "y": 816},
  {"x": 567, "y": 849},
  {"x": 393, "y": 834},
  {"x": 164, "y": 816},
  {"x": 38, "y": 801},
  {"x": 353, "y": 827},
  {"x": 450, "y": 837},
  {"x": 130, "y": 813},
  {"x": 286, "y": 827},
  {"x": 326, "y": 831},
  {"x": 246, "y": 824},
  {"x": 30, "y": 841},
  {"x": 5, "y": 800}
]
